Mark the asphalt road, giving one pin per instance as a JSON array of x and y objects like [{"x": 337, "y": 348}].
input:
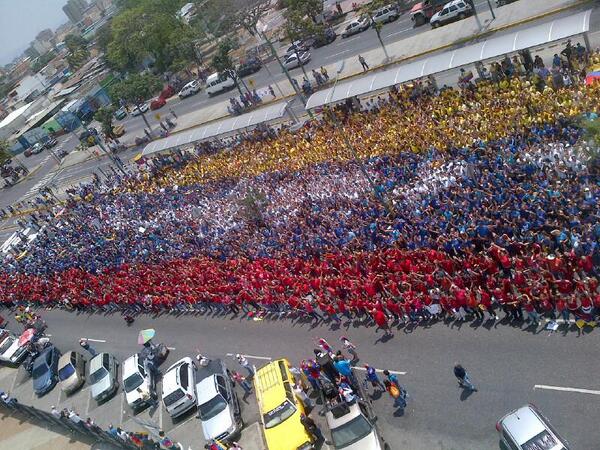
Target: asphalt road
[{"x": 506, "y": 363}]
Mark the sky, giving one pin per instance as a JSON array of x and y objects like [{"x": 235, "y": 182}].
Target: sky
[{"x": 22, "y": 20}]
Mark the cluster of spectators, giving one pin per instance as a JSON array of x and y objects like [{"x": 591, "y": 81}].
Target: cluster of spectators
[{"x": 481, "y": 202}]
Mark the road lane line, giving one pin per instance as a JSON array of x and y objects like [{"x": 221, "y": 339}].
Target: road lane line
[
  {"x": 340, "y": 53},
  {"x": 265, "y": 358},
  {"x": 566, "y": 389},
  {"x": 344, "y": 41},
  {"x": 94, "y": 340},
  {"x": 171, "y": 348},
  {"x": 397, "y": 32},
  {"x": 395, "y": 372}
]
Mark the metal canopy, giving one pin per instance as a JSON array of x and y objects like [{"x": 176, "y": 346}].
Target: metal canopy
[
  {"x": 220, "y": 127},
  {"x": 490, "y": 48}
]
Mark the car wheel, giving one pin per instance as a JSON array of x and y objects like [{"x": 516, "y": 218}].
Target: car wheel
[
  {"x": 461, "y": 16},
  {"x": 435, "y": 25},
  {"x": 419, "y": 20}
]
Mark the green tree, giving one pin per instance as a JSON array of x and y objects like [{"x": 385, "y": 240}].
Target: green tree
[
  {"x": 589, "y": 147},
  {"x": 41, "y": 62},
  {"x": 222, "y": 62},
  {"x": 4, "y": 151},
  {"x": 248, "y": 18},
  {"x": 104, "y": 36},
  {"x": 105, "y": 116},
  {"x": 136, "y": 89},
  {"x": 310, "y": 8},
  {"x": 78, "y": 52}
]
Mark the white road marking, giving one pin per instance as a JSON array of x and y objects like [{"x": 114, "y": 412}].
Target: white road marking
[
  {"x": 171, "y": 348},
  {"x": 566, "y": 389},
  {"x": 344, "y": 41},
  {"x": 397, "y": 32},
  {"x": 340, "y": 53},
  {"x": 94, "y": 340},
  {"x": 265, "y": 358},
  {"x": 395, "y": 372}
]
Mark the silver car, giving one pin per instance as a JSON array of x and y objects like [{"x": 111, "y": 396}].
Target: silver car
[
  {"x": 103, "y": 376},
  {"x": 527, "y": 429},
  {"x": 71, "y": 371}
]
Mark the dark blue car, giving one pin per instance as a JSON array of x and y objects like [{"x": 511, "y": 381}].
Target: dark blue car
[{"x": 45, "y": 370}]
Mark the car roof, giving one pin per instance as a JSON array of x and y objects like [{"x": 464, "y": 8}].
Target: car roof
[
  {"x": 206, "y": 389},
  {"x": 522, "y": 424},
  {"x": 334, "y": 422},
  {"x": 454, "y": 2},
  {"x": 41, "y": 358},
  {"x": 65, "y": 358},
  {"x": 214, "y": 366},
  {"x": 130, "y": 365},
  {"x": 96, "y": 362},
  {"x": 171, "y": 377}
]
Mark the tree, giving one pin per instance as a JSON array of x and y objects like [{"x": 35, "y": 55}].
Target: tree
[
  {"x": 369, "y": 9},
  {"x": 4, "y": 151},
  {"x": 105, "y": 116},
  {"x": 310, "y": 8},
  {"x": 41, "y": 62},
  {"x": 104, "y": 37},
  {"x": 589, "y": 147},
  {"x": 78, "y": 52},
  {"x": 222, "y": 62},
  {"x": 136, "y": 89},
  {"x": 249, "y": 17}
]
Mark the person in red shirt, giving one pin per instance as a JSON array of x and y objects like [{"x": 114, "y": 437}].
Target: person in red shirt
[{"x": 381, "y": 321}]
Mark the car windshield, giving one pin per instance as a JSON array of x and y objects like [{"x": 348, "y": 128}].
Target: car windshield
[
  {"x": 542, "y": 441},
  {"x": 279, "y": 414},
  {"x": 173, "y": 397},
  {"x": 132, "y": 382},
  {"x": 39, "y": 371},
  {"x": 98, "y": 375},
  {"x": 212, "y": 407},
  {"x": 351, "y": 432},
  {"x": 66, "y": 371}
]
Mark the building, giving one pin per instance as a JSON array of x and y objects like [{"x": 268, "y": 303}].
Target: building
[
  {"x": 74, "y": 10},
  {"x": 42, "y": 47},
  {"x": 45, "y": 35}
]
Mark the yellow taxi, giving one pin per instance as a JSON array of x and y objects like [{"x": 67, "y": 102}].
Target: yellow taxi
[{"x": 279, "y": 408}]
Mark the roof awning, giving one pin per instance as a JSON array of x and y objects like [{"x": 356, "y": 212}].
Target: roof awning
[
  {"x": 535, "y": 36},
  {"x": 217, "y": 128}
]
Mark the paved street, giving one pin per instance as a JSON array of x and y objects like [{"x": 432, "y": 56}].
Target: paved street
[{"x": 506, "y": 364}]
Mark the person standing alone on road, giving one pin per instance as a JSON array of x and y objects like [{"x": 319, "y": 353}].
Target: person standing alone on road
[
  {"x": 463, "y": 377},
  {"x": 245, "y": 364},
  {"x": 363, "y": 63}
]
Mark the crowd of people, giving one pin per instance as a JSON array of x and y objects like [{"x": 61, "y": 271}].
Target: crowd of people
[{"x": 481, "y": 202}]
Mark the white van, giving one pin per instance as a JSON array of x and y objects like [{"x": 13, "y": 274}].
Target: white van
[{"x": 216, "y": 83}]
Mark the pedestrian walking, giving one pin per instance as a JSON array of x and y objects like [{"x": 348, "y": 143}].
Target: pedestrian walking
[
  {"x": 363, "y": 63},
  {"x": 325, "y": 346},
  {"x": 324, "y": 73},
  {"x": 87, "y": 347},
  {"x": 245, "y": 364},
  {"x": 382, "y": 322},
  {"x": 311, "y": 427},
  {"x": 372, "y": 378},
  {"x": 306, "y": 401},
  {"x": 463, "y": 377},
  {"x": 391, "y": 378},
  {"x": 350, "y": 348},
  {"x": 272, "y": 91},
  {"x": 238, "y": 378},
  {"x": 173, "y": 113},
  {"x": 397, "y": 393},
  {"x": 55, "y": 412}
]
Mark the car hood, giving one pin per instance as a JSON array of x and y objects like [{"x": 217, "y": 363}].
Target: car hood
[
  {"x": 369, "y": 442},
  {"x": 417, "y": 7},
  {"x": 41, "y": 383},
  {"x": 101, "y": 386},
  {"x": 289, "y": 431},
  {"x": 70, "y": 383},
  {"x": 218, "y": 424},
  {"x": 134, "y": 395}
]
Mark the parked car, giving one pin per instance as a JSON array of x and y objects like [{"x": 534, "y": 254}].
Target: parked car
[
  {"x": 139, "y": 109},
  {"x": 167, "y": 92},
  {"x": 526, "y": 428},
  {"x": 11, "y": 351},
  {"x": 118, "y": 130},
  {"x": 356, "y": 26},
  {"x": 325, "y": 38},
  {"x": 50, "y": 142},
  {"x": 386, "y": 14},
  {"x": 455, "y": 10},
  {"x": 218, "y": 405},
  {"x": 120, "y": 113},
  {"x": 423, "y": 11},
  {"x": 351, "y": 427},
  {"x": 296, "y": 60},
  {"x": 248, "y": 67},
  {"x": 136, "y": 379},
  {"x": 179, "y": 387},
  {"x": 191, "y": 88},
  {"x": 103, "y": 376},
  {"x": 157, "y": 103},
  {"x": 45, "y": 370},
  {"x": 504, "y": 2},
  {"x": 71, "y": 371},
  {"x": 216, "y": 83},
  {"x": 37, "y": 148},
  {"x": 296, "y": 47},
  {"x": 84, "y": 135}
]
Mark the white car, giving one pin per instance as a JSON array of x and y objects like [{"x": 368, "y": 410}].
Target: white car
[
  {"x": 10, "y": 350},
  {"x": 139, "y": 109},
  {"x": 455, "y": 10},
  {"x": 350, "y": 427},
  {"x": 357, "y": 26},
  {"x": 103, "y": 376},
  {"x": 193, "y": 87},
  {"x": 526, "y": 429},
  {"x": 218, "y": 406},
  {"x": 386, "y": 14},
  {"x": 179, "y": 387},
  {"x": 293, "y": 60},
  {"x": 136, "y": 379}
]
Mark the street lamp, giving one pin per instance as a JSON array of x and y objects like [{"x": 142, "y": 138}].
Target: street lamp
[{"x": 382, "y": 198}]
